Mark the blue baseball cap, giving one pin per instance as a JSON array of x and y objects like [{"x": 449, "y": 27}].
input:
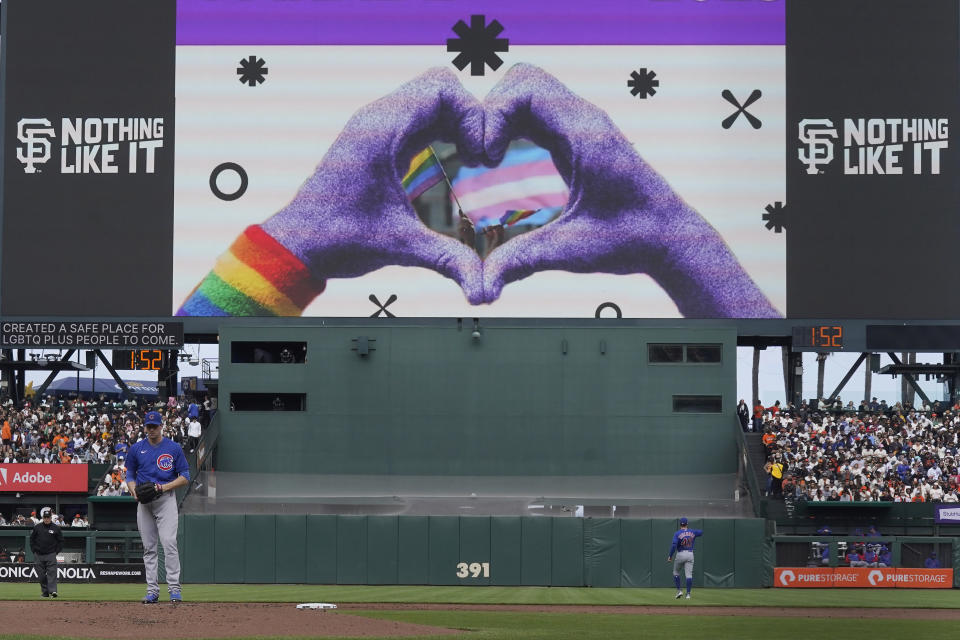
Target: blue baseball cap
[
  {"x": 152, "y": 417},
  {"x": 683, "y": 521}
]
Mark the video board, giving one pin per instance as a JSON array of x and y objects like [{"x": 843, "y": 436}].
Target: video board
[{"x": 487, "y": 158}]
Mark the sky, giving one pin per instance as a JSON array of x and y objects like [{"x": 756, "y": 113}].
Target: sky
[{"x": 771, "y": 388}]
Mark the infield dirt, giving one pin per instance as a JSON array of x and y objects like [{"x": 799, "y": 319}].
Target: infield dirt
[{"x": 192, "y": 620}]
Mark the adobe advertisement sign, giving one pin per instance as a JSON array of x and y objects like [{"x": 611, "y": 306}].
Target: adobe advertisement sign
[
  {"x": 23, "y": 572},
  {"x": 45, "y": 478},
  {"x": 862, "y": 578}
]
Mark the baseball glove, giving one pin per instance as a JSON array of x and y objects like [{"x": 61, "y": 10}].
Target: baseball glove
[{"x": 148, "y": 492}]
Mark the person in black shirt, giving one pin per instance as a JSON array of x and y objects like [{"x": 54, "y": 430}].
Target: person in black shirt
[{"x": 46, "y": 541}]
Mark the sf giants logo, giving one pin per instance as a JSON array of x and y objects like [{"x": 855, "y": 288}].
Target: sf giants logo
[
  {"x": 819, "y": 135},
  {"x": 165, "y": 462},
  {"x": 34, "y": 134}
]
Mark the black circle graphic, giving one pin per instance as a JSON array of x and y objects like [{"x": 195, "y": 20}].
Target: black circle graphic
[
  {"x": 226, "y": 166},
  {"x": 608, "y": 305}
]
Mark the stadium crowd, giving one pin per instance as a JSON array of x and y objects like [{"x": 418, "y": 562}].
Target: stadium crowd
[
  {"x": 95, "y": 430},
  {"x": 20, "y": 520},
  {"x": 873, "y": 452}
]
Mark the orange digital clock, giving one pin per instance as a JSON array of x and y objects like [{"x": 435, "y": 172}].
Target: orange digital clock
[
  {"x": 140, "y": 360},
  {"x": 826, "y": 337}
]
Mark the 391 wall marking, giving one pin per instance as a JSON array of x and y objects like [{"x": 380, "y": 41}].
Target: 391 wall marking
[{"x": 473, "y": 570}]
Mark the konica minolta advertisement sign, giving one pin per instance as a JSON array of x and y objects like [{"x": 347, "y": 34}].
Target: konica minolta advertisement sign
[{"x": 27, "y": 572}]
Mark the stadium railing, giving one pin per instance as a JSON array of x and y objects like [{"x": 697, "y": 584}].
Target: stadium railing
[
  {"x": 745, "y": 468},
  {"x": 202, "y": 459}
]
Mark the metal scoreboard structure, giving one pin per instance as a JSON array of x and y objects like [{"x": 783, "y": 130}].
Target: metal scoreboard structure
[{"x": 764, "y": 173}]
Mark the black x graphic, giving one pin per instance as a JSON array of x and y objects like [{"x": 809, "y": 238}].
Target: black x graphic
[
  {"x": 753, "y": 120},
  {"x": 383, "y": 307}
]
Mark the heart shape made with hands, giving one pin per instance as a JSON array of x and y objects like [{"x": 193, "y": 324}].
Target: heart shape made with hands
[
  {"x": 352, "y": 216},
  {"x": 606, "y": 225}
]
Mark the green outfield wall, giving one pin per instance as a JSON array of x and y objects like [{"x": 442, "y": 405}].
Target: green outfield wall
[
  {"x": 466, "y": 550},
  {"x": 529, "y": 400}
]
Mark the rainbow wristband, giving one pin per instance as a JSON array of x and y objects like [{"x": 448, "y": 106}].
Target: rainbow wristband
[{"x": 257, "y": 276}]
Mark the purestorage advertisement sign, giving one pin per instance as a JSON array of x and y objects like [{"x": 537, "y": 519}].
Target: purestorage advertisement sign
[
  {"x": 862, "y": 578},
  {"x": 42, "y": 478},
  {"x": 22, "y": 572}
]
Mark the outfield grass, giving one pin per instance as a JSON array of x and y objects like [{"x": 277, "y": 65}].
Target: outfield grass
[
  {"x": 566, "y": 626},
  {"x": 933, "y": 598}
]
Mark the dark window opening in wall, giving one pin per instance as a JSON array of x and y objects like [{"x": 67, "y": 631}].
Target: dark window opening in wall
[
  {"x": 268, "y": 352},
  {"x": 665, "y": 352},
  {"x": 703, "y": 352},
  {"x": 268, "y": 402},
  {"x": 697, "y": 404}
]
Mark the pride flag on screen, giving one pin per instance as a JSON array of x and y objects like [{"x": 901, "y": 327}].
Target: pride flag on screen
[
  {"x": 425, "y": 171},
  {"x": 511, "y": 218},
  {"x": 526, "y": 182}
]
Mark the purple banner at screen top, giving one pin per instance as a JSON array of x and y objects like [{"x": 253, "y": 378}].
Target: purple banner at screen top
[{"x": 525, "y": 22}]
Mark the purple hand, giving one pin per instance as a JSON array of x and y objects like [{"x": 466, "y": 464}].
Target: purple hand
[
  {"x": 352, "y": 216},
  {"x": 622, "y": 217}
]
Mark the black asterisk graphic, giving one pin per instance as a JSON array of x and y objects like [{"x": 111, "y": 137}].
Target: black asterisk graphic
[
  {"x": 478, "y": 45},
  {"x": 776, "y": 217},
  {"x": 643, "y": 83},
  {"x": 251, "y": 71}
]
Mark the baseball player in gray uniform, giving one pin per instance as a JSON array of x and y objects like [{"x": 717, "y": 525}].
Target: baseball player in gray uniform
[
  {"x": 156, "y": 466},
  {"x": 683, "y": 540}
]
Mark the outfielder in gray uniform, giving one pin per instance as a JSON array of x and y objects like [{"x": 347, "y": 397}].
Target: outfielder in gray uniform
[
  {"x": 683, "y": 540},
  {"x": 159, "y": 461}
]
